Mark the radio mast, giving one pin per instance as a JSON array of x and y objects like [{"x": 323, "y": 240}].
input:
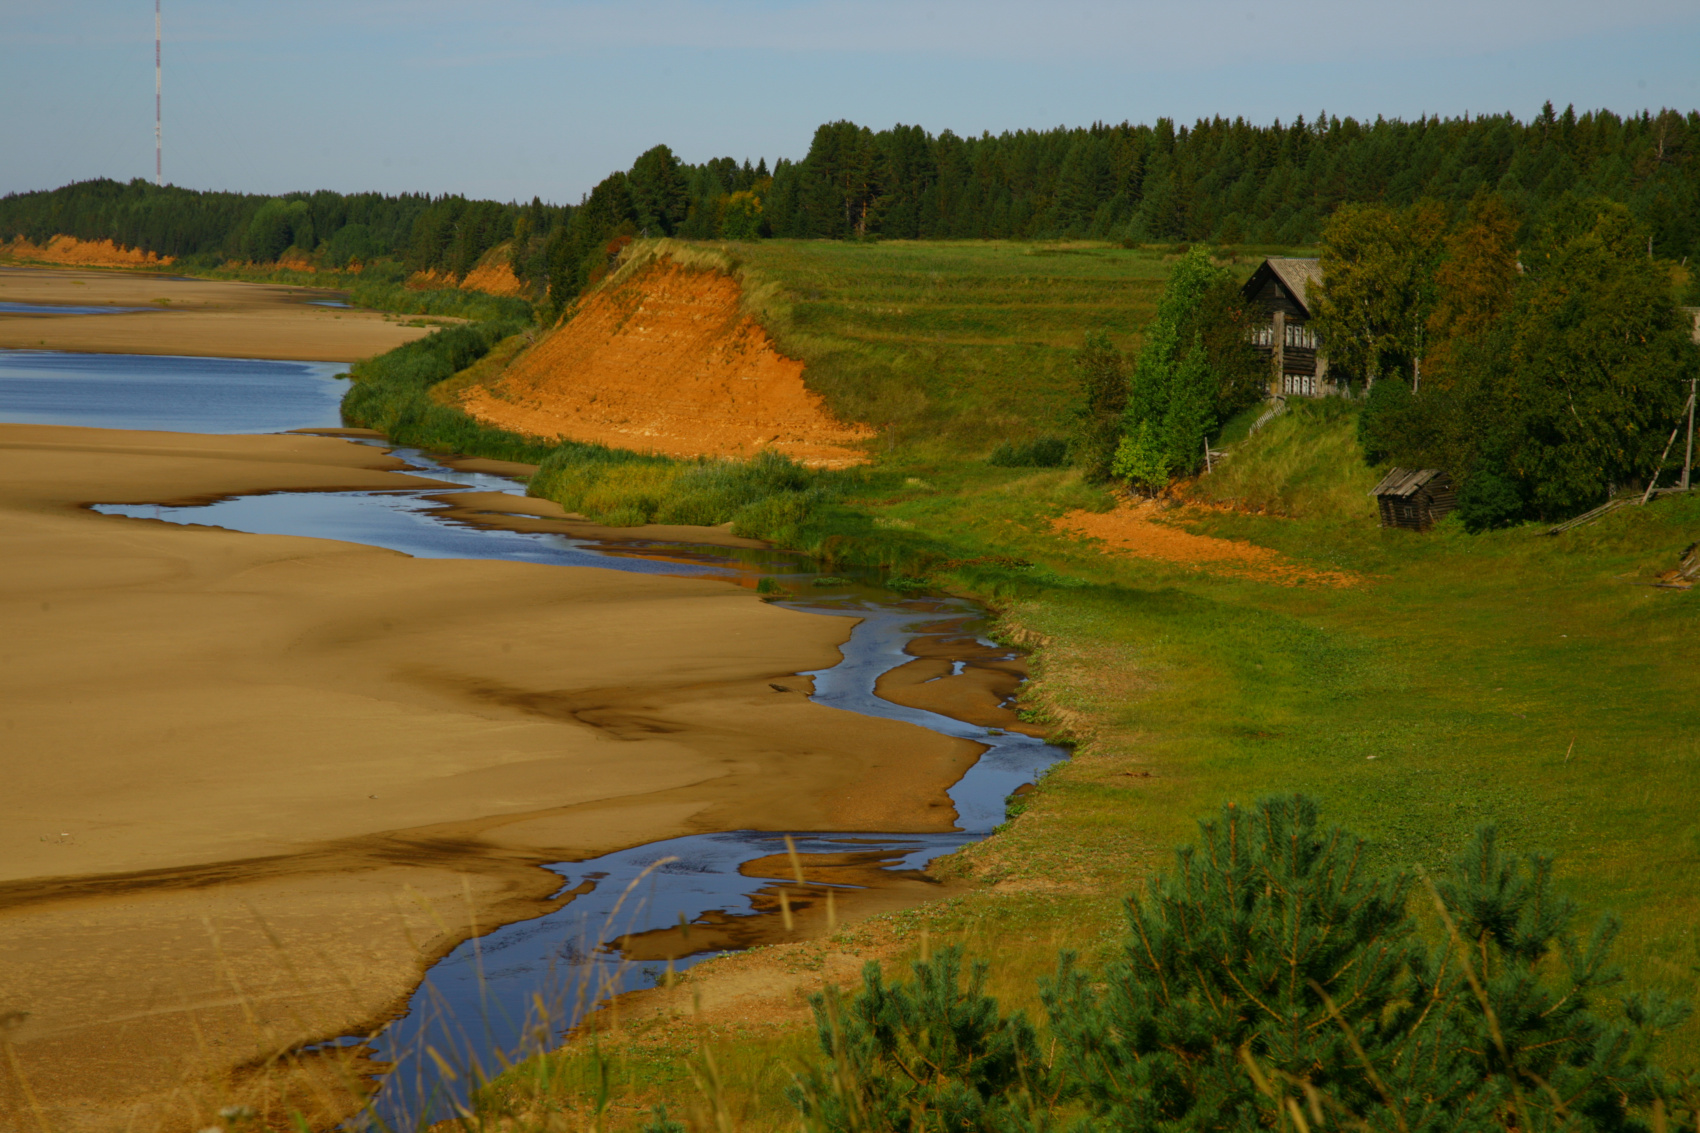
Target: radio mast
[{"x": 158, "y": 147}]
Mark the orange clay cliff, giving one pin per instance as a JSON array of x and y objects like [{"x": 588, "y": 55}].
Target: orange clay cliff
[{"x": 665, "y": 360}]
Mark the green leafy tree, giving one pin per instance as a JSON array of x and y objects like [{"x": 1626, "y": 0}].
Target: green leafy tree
[
  {"x": 1102, "y": 370},
  {"x": 1174, "y": 392},
  {"x": 741, "y": 217},
  {"x": 1599, "y": 364},
  {"x": 277, "y": 226},
  {"x": 1378, "y": 288},
  {"x": 930, "y": 1055},
  {"x": 1574, "y": 389},
  {"x": 1474, "y": 283}
]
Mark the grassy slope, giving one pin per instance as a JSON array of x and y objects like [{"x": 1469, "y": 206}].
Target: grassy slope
[
  {"x": 957, "y": 345},
  {"x": 1532, "y": 682}
]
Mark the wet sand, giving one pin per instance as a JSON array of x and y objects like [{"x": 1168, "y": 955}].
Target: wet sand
[
  {"x": 256, "y": 783},
  {"x": 209, "y": 318}
]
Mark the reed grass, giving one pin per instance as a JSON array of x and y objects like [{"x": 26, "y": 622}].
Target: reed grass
[{"x": 769, "y": 496}]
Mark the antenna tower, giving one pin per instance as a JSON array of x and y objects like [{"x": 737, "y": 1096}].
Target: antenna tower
[{"x": 158, "y": 147}]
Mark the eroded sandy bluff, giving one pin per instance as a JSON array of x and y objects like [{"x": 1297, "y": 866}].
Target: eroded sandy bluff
[{"x": 667, "y": 360}]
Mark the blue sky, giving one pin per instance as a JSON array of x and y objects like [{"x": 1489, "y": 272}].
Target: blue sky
[{"x": 515, "y": 98}]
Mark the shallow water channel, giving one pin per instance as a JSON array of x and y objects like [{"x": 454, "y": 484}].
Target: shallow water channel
[
  {"x": 526, "y": 985},
  {"x": 523, "y": 986}
]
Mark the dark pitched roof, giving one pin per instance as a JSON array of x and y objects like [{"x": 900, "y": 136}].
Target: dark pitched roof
[
  {"x": 1295, "y": 275},
  {"x": 1403, "y": 482}
]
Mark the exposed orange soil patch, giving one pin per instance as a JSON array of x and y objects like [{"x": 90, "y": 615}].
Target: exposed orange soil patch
[
  {"x": 494, "y": 279},
  {"x": 667, "y": 361},
  {"x": 88, "y": 253},
  {"x": 1133, "y": 529}
]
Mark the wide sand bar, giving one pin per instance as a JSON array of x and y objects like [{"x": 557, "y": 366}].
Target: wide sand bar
[
  {"x": 254, "y": 783},
  {"x": 202, "y": 317}
]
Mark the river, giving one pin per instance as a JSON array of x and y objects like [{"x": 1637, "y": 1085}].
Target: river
[{"x": 523, "y": 986}]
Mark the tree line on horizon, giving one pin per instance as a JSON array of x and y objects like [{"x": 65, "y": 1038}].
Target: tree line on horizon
[{"x": 1228, "y": 182}]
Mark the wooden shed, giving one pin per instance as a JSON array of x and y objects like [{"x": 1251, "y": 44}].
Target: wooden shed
[
  {"x": 1282, "y": 290},
  {"x": 1414, "y": 497}
]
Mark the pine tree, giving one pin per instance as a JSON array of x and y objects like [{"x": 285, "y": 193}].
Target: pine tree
[
  {"x": 1273, "y": 973},
  {"x": 923, "y": 1056}
]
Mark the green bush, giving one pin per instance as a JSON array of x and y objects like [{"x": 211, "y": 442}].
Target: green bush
[
  {"x": 766, "y": 497},
  {"x": 1041, "y": 452},
  {"x": 1141, "y": 459},
  {"x": 1489, "y": 500},
  {"x": 922, "y": 1056},
  {"x": 1385, "y": 425},
  {"x": 392, "y": 394},
  {"x": 372, "y": 290}
]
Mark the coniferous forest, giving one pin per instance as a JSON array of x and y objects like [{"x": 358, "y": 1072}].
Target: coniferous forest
[{"x": 1224, "y": 181}]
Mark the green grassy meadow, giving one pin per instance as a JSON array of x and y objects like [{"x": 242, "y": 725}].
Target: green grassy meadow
[
  {"x": 954, "y": 345},
  {"x": 1538, "y": 683}
]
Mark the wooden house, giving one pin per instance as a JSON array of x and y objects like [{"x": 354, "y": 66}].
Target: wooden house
[
  {"x": 1414, "y": 497},
  {"x": 1282, "y": 290}
]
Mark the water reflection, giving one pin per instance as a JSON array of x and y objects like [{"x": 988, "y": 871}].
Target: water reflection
[{"x": 168, "y": 393}]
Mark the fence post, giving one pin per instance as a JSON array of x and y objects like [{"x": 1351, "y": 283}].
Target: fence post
[{"x": 1688, "y": 461}]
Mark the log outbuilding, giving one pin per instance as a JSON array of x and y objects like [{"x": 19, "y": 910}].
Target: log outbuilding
[
  {"x": 1414, "y": 498},
  {"x": 1283, "y": 289}
]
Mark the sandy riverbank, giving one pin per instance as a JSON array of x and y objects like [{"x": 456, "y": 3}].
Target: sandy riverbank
[
  {"x": 255, "y": 783},
  {"x": 202, "y": 317}
]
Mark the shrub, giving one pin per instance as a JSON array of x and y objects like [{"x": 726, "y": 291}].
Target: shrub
[
  {"x": 1385, "y": 424},
  {"x": 1042, "y": 452},
  {"x": 1242, "y": 947},
  {"x": 775, "y": 517},
  {"x": 1103, "y": 380},
  {"x": 1141, "y": 459},
  {"x": 766, "y": 497},
  {"x": 1488, "y": 500},
  {"x": 923, "y": 1056}
]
